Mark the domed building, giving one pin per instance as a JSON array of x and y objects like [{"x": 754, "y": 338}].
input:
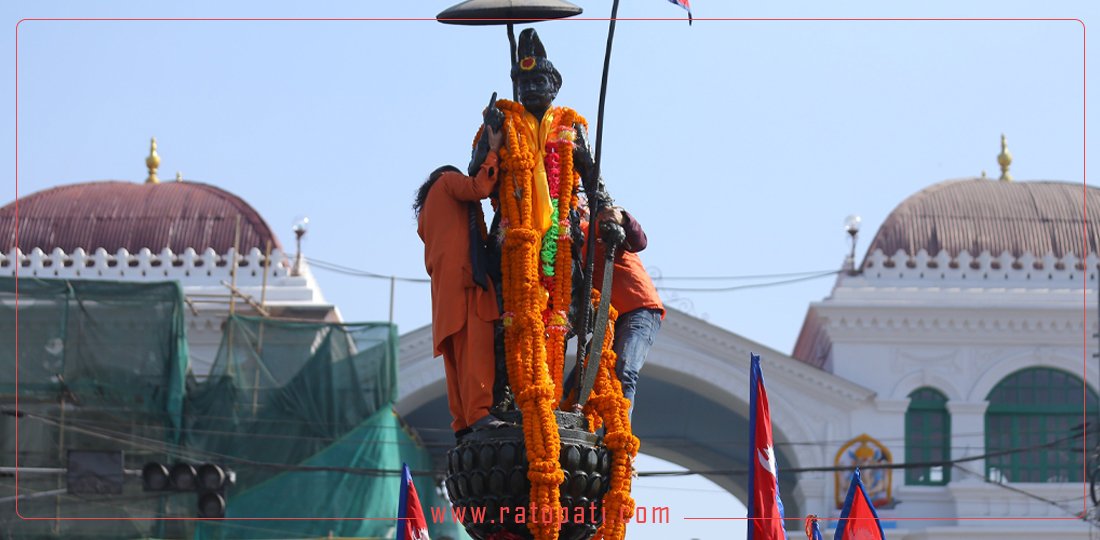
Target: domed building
[
  {"x": 972, "y": 318},
  {"x": 163, "y": 231}
]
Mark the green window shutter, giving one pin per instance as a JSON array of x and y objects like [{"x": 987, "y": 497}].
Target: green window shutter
[
  {"x": 1031, "y": 408},
  {"x": 927, "y": 437}
]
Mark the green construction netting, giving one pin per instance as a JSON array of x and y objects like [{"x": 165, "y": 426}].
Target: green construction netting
[
  {"x": 100, "y": 366},
  {"x": 109, "y": 345},
  {"x": 301, "y": 411},
  {"x": 355, "y": 472},
  {"x": 279, "y": 392},
  {"x": 317, "y": 396}
]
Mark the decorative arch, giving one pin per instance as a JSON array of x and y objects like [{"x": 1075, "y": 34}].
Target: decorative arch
[
  {"x": 1028, "y": 359},
  {"x": 926, "y": 378}
]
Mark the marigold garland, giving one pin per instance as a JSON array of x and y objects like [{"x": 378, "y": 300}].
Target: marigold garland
[{"x": 537, "y": 290}]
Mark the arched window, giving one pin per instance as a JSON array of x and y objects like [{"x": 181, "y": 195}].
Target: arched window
[
  {"x": 927, "y": 437},
  {"x": 1031, "y": 408}
]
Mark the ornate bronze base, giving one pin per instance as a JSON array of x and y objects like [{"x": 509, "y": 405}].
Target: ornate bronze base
[{"x": 488, "y": 470}]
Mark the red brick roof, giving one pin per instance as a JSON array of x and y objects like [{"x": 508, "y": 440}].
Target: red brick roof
[
  {"x": 113, "y": 215},
  {"x": 989, "y": 215}
]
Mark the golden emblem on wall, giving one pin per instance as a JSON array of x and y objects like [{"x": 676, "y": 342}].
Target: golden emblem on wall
[{"x": 864, "y": 451}]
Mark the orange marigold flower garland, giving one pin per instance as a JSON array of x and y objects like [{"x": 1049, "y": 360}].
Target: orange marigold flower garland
[
  {"x": 537, "y": 290},
  {"x": 525, "y": 343},
  {"x": 609, "y": 408}
]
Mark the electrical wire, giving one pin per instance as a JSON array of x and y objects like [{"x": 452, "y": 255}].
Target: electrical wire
[
  {"x": 956, "y": 463},
  {"x": 662, "y": 442},
  {"x": 658, "y": 277},
  {"x": 347, "y": 270},
  {"x": 909, "y": 465},
  {"x": 208, "y": 455},
  {"x": 1016, "y": 490},
  {"x": 750, "y": 286},
  {"x": 167, "y": 448},
  {"x": 796, "y": 277}
]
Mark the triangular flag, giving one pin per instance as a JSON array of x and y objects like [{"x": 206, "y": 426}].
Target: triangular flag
[
  {"x": 765, "y": 507},
  {"x": 411, "y": 524},
  {"x": 858, "y": 519},
  {"x": 813, "y": 532}
]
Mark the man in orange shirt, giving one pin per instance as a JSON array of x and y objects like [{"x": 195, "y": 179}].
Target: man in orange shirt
[
  {"x": 633, "y": 295},
  {"x": 464, "y": 304}
]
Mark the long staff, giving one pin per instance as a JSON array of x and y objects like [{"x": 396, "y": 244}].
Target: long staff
[{"x": 594, "y": 203}]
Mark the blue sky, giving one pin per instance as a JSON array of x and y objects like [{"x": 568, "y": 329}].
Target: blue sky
[{"x": 740, "y": 145}]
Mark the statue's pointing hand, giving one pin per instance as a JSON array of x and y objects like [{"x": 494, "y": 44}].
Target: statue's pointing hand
[{"x": 494, "y": 117}]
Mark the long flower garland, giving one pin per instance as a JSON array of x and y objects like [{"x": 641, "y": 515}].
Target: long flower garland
[
  {"x": 525, "y": 338},
  {"x": 608, "y": 407},
  {"x": 537, "y": 290}
]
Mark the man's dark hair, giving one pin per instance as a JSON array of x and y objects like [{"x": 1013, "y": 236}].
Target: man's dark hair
[{"x": 422, "y": 193}]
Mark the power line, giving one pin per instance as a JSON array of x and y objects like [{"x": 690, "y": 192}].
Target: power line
[
  {"x": 908, "y": 465},
  {"x": 659, "y": 277},
  {"x": 796, "y": 277},
  {"x": 346, "y": 270},
  {"x": 174, "y": 450},
  {"x": 750, "y": 286},
  {"x": 1017, "y": 490},
  {"x": 207, "y": 455}
]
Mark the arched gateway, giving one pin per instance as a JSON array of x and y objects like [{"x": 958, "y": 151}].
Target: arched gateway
[{"x": 692, "y": 408}]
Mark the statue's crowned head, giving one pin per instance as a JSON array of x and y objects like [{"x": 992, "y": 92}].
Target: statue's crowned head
[{"x": 536, "y": 78}]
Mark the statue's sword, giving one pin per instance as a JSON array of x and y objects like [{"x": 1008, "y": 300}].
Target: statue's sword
[{"x": 613, "y": 235}]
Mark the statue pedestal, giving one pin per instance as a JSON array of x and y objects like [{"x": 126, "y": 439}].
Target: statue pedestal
[{"x": 488, "y": 470}]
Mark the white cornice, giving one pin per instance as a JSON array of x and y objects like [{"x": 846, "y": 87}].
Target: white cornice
[
  {"x": 861, "y": 323},
  {"x": 964, "y": 270},
  {"x": 200, "y": 274}
]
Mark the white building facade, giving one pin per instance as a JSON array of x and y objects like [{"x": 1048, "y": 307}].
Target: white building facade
[{"x": 972, "y": 320}]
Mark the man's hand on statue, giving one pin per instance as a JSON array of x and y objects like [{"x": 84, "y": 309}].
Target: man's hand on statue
[
  {"x": 496, "y": 138},
  {"x": 612, "y": 214}
]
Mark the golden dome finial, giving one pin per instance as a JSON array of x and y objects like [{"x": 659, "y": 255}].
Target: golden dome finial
[
  {"x": 153, "y": 161},
  {"x": 1004, "y": 159}
]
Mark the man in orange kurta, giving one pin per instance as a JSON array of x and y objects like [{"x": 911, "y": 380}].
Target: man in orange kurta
[{"x": 462, "y": 311}]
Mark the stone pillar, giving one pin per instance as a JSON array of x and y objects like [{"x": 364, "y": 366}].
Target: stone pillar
[{"x": 967, "y": 437}]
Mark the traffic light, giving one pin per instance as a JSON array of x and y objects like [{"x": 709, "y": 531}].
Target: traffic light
[{"x": 209, "y": 480}]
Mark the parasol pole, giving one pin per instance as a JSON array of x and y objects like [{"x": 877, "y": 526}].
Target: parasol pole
[{"x": 512, "y": 58}]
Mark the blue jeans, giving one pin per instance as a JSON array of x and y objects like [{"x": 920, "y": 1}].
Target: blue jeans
[{"x": 634, "y": 334}]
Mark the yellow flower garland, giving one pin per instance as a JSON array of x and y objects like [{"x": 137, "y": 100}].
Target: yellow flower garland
[{"x": 534, "y": 348}]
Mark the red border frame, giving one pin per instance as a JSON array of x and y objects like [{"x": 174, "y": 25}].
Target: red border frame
[{"x": 1084, "y": 234}]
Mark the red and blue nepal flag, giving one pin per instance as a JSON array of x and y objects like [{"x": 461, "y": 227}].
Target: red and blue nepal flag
[
  {"x": 858, "y": 519},
  {"x": 765, "y": 507},
  {"x": 813, "y": 532},
  {"x": 411, "y": 524}
]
